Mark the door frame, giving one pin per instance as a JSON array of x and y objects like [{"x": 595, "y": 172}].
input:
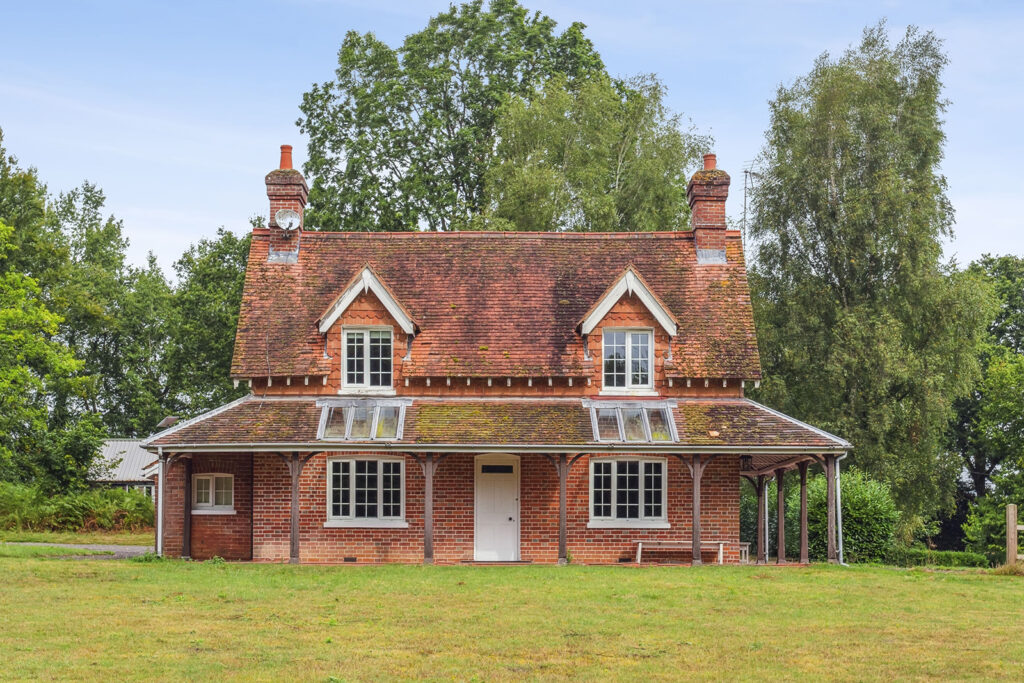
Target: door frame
[{"x": 498, "y": 459}]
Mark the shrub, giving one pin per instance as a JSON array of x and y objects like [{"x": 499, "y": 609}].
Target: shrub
[
  {"x": 24, "y": 507},
  {"x": 869, "y": 517},
  {"x": 900, "y": 556}
]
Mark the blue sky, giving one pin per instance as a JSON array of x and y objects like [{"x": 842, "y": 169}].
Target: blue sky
[{"x": 177, "y": 109}]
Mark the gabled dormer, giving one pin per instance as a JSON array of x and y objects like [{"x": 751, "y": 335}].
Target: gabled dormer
[
  {"x": 367, "y": 346},
  {"x": 635, "y": 329}
]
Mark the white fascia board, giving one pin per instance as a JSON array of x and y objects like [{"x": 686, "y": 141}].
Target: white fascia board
[
  {"x": 629, "y": 283},
  {"x": 367, "y": 281}
]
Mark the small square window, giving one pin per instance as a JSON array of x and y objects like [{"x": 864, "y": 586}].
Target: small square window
[
  {"x": 368, "y": 355},
  {"x": 222, "y": 491},
  {"x": 658, "y": 419},
  {"x": 387, "y": 422},
  {"x": 608, "y": 424},
  {"x": 633, "y": 423},
  {"x": 362, "y": 416},
  {"x": 202, "y": 496},
  {"x": 627, "y": 359},
  {"x": 335, "y": 427}
]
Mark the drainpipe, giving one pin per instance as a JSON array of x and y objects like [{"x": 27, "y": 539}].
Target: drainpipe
[
  {"x": 160, "y": 506},
  {"x": 839, "y": 511}
]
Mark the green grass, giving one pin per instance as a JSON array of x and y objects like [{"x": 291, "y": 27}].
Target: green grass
[
  {"x": 105, "y": 537},
  {"x": 23, "y": 551},
  {"x": 175, "y": 620}
]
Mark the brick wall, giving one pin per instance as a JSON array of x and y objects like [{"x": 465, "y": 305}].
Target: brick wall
[
  {"x": 227, "y": 536},
  {"x": 454, "y": 518}
]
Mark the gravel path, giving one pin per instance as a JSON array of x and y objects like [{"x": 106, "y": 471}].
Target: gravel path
[{"x": 121, "y": 552}]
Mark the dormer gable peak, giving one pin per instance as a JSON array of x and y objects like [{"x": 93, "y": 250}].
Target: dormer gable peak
[
  {"x": 367, "y": 280},
  {"x": 629, "y": 283}
]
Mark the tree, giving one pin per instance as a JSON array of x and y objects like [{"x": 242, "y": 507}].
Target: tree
[
  {"x": 206, "y": 304},
  {"x": 863, "y": 330},
  {"x": 977, "y": 418},
  {"x": 595, "y": 155},
  {"x": 33, "y": 367},
  {"x": 401, "y": 138}
]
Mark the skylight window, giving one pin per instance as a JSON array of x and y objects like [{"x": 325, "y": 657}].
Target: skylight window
[
  {"x": 633, "y": 422},
  {"x": 363, "y": 420}
]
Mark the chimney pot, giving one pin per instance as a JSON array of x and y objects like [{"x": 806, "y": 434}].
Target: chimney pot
[
  {"x": 286, "y": 157},
  {"x": 709, "y": 162}
]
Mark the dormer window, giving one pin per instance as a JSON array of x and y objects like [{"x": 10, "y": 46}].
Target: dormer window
[
  {"x": 362, "y": 419},
  {"x": 367, "y": 359},
  {"x": 632, "y": 421},
  {"x": 627, "y": 359}
]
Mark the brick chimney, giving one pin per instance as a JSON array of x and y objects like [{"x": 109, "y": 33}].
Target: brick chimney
[
  {"x": 706, "y": 193},
  {"x": 286, "y": 188}
]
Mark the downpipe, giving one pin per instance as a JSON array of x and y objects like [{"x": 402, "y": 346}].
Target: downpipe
[{"x": 839, "y": 511}]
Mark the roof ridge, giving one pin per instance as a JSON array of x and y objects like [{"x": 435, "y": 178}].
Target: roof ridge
[{"x": 517, "y": 235}]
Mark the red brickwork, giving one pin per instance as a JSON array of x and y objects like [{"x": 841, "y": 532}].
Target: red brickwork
[
  {"x": 227, "y": 536},
  {"x": 266, "y": 487}
]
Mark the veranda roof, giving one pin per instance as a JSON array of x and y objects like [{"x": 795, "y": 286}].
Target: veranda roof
[{"x": 705, "y": 425}]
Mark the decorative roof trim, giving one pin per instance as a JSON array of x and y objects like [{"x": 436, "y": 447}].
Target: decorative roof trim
[
  {"x": 367, "y": 280},
  {"x": 681, "y": 448},
  {"x": 629, "y": 282}
]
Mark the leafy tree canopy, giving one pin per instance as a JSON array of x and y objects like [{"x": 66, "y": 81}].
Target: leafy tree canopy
[
  {"x": 863, "y": 329},
  {"x": 590, "y": 155},
  {"x": 401, "y": 138}
]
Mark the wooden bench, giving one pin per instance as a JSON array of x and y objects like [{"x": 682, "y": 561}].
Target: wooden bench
[{"x": 680, "y": 545}]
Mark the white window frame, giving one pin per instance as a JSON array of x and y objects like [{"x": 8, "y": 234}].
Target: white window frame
[
  {"x": 644, "y": 406},
  {"x": 630, "y": 389},
  {"x": 613, "y": 522},
  {"x": 372, "y": 404},
  {"x": 351, "y": 521},
  {"x": 212, "y": 508},
  {"x": 364, "y": 387}
]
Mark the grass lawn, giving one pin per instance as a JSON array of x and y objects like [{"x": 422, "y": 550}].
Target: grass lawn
[
  {"x": 173, "y": 620},
  {"x": 8, "y": 550},
  {"x": 105, "y": 537}
]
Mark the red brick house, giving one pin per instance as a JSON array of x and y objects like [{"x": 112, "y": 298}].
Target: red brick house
[{"x": 458, "y": 397}]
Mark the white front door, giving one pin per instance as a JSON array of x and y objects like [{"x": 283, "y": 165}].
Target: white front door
[{"x": 496, "y": 536}]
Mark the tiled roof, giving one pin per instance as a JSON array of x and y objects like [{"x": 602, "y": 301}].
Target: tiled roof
[
  {"x": 495, "y": 304},
  {"x": 515, "y": 422}
]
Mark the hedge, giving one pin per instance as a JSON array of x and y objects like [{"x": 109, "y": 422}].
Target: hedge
[{"x": 923, "y": 557}]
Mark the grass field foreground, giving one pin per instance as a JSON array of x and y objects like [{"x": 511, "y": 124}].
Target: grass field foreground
[
  {"x": 103, "y": 537},
  {"x": 175, "y": 620},
  {"x": 23, "y": 551}
]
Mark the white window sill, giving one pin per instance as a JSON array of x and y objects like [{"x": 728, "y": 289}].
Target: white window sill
[
  {"x": 627, "y": 392},
  {"x": 208, "y": 511},
  {"x": 366, "y": 524},
  {"x": 366, "y": 391},
  {"x": 627, "y": 524}
]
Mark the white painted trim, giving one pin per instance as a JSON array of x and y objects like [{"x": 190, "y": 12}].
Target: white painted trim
[
  {"x": 366, "y": 524},
  {"x": 212, "y": 508},
  {"x": 629, "y": 283},
  {"x": 160, "y": 511},
  {"x": 365, "y": 387},
  {"x": 351, "y": 521},
  {"x": 642, "y": 522},
  {"x": 626, "y": 524},
  {"x": 499, "y": 459},
  {"x": 630, "y": 389},
  {"x": 330, "y": 404},
  {"x": 367, "y": 281}
]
